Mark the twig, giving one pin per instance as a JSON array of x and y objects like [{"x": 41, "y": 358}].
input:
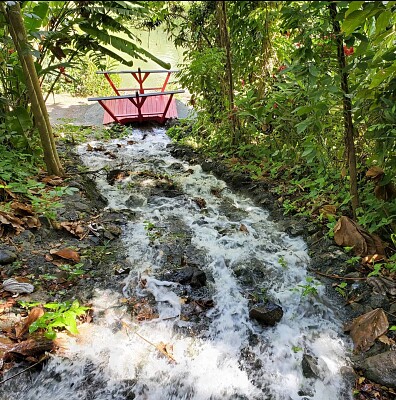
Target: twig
[
  {"x": 162, "y": 351},
  {"x": 338, "y": 276},
  {"x": 393, "y": 315},
  {"x": 24, "y": 370}
]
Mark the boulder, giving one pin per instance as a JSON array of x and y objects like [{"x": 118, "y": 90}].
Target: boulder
[
  {"x": 7, "y": 257},
  {"x": 266, "y": 313},
  {"x": 381, "y": 368},
  {"x": 192, "y": 276}
]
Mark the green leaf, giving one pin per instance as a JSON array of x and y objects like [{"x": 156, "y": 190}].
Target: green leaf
[
  {"x": 302, "y": 126},
  {"x": 50, "y": 335},
  {"x": 34, "y": 20},
  {"x": 353, "y": 6},
  {"x": 382, "y": 21},
  {"x": 302, "y": 110},
  {"x": 354, "y": 20},
  {"x": 22, "y": 121},
  {"x": 392, "y": 328},
  {"x": 121, "y": 44},
  {"x": 381, "y": 76},
  {"x": 69, "y": 319},
  {"x": 33, "y": 327}
]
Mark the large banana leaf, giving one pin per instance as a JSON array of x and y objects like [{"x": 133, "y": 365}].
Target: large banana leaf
[{"x": 122, "y": 45}]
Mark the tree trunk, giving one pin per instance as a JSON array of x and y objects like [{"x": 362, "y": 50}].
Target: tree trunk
[
  {"x": 349, "y": 134},
  {"x": 225, "y": 43},
  {"x": 41, "y": 118}
]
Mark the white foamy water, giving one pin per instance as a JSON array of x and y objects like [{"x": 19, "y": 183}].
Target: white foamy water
[{"x": 234, "y": 358}]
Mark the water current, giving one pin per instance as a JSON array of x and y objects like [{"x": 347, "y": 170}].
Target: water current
[{"x": 232, "y": 357}]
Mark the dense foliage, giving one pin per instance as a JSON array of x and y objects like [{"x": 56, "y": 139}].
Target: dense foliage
[{"x": 290, "y": 97}]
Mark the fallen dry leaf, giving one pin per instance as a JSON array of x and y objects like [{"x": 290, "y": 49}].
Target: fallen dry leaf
[
  {"x": 349, "y": 233},
  {"x": 10, "y": 225},
  {"x": 366, "y": 328},
  {"x": 52, "y": 180},
  {"x": 67, "y": 254},
  {"x": 166, "y": 349},
  {"x": 5, "y": 193},
  {"x": 386, "y": 340},
  {"x": 31, "y": 222},
  {"x": 375, "y": 173},
  {"x": 328, "y": 210},
  {"x": 30, "y": 347},
  {"x": 201, "y": 203},
  {"x": 21, "y": 210},
  {"x": 75, "y": 228},
  {"x": 243, "y": 228},
  {"x": 34, "y": 315}
]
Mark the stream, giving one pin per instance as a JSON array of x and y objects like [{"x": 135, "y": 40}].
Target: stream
[{"x": 182, "y": 216}]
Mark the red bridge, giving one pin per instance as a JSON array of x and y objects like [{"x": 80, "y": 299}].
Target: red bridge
[{"x": 145, "y": 104}]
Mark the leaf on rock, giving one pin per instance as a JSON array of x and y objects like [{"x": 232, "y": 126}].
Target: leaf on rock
[
  {"x": 75, "y": 228},
  {"x": 67, "y": 254},
  {"x": 366, "y": 328},
  {"x": 348, "y": 233},
  {"x": 34, "y": 315}
]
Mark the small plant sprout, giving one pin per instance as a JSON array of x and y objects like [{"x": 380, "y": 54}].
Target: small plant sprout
[
  {"x": 340, "y": 288},
  {"x": 58, "y": 317},
  {"x": 309, "y": 289},
  {"x": 296, "y": 349},
  {"x": 282, "y": 262}
]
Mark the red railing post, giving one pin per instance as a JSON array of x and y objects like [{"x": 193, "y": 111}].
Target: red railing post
[
  {"x": 166, "y": 108},
  {"x": 112, "y": 84},
  {"x": 107, "y": 109},
  {"x": 166, "y": 81}
]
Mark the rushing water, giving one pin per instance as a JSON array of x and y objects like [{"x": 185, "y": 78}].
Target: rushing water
[{"x": 234, "y": 358}]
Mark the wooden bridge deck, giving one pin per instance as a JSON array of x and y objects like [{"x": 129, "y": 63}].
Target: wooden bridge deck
[
  {"x": 145, "y": 104},
  {"x": 152, "y": 110}
]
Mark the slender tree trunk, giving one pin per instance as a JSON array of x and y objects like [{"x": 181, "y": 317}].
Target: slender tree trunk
[
  {"x": 41, "y": 118},
  {"x": 347, "y": 105},
  {"x": 225, "y": 43}
]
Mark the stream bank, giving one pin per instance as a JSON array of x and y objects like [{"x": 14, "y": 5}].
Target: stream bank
[{"x": 108, "y": 262}]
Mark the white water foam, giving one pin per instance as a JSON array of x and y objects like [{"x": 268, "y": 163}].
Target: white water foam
[{"x": 112, "y": 358}]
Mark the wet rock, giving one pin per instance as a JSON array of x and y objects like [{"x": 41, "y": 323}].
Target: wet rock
[
  {"x": 266, "y": 313},
  {"x": 135, "y": 200},
  {"x": 192, "y": 276},
  {"x": 381, "y": 368},
  {"x": 79, "y": 206},
  {"x": 378, "y": 301},
  {"x": 309, "y": 366},
  {"x": 7, "y": 256}
]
